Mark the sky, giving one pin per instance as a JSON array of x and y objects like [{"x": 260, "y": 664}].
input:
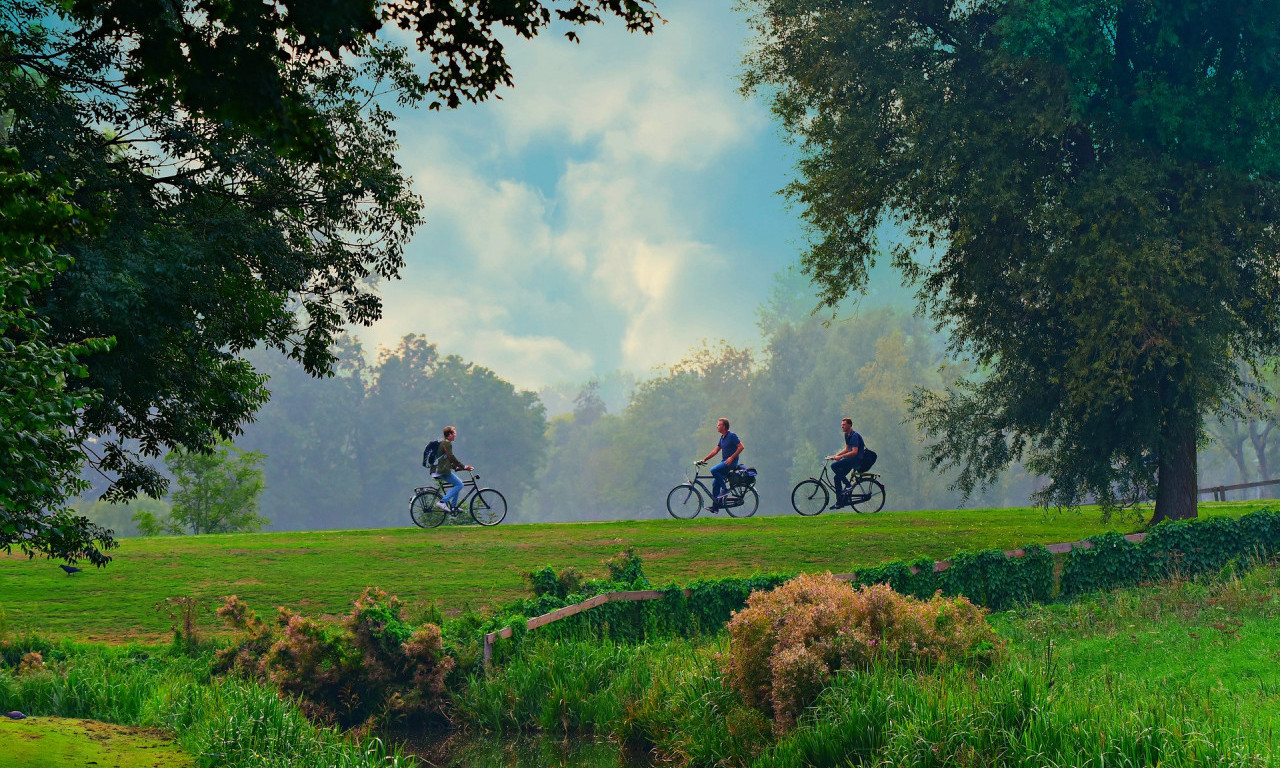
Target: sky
[{"x": 615, "y": 207}]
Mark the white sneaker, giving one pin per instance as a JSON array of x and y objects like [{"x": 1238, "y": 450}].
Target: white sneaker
[{"x": 440, "y": 505}]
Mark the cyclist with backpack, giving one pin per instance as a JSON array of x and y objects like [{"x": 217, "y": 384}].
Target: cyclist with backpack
[
  {"x": 444, "y": 464},
  {"x": 854, "y": 456},
  {"x": 730, "y": 448}
]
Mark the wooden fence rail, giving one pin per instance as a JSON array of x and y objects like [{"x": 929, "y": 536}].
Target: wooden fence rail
[
  {"x": 1220, "y": 491},
  {"x": 637, "y": 595}
]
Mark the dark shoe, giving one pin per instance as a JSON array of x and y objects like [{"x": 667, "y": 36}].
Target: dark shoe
[{"x": 838, "y": 505}]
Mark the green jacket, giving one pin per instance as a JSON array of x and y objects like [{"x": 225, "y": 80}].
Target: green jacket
[{"x": 446, "y": 462}]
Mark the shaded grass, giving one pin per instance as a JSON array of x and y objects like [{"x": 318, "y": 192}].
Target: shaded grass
[{"x": 320, "y": 572}]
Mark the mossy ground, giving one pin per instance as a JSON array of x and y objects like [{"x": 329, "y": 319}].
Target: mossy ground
[{"x": 56, "y": 742}]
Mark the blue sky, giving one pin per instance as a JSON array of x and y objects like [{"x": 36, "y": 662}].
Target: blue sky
[{"x": 608, "y": 212}]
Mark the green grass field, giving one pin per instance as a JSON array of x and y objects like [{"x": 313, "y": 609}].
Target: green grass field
[{"x": 321, "y": 572}]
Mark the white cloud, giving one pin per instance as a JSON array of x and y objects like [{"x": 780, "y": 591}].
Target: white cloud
[{"x": 603, "y": 258}]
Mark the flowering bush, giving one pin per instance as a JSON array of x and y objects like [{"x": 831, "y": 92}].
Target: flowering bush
[
  {"x": 369, "y": 669},
  {"x": 786, "y": 644},
  {"x": 32, "y": 663}
]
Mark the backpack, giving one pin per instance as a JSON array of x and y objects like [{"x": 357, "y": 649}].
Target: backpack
[
  {"x": 742, "y": 477},
  {"x": 430, "y": 454}
]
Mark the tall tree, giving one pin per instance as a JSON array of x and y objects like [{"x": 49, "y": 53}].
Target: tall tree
[{"x": 1088, "y": 189}]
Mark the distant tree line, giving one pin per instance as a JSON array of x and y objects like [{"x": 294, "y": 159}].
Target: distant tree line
[
  {"x": 346, "y": 451},
  {"x": 785, "y": 403}
]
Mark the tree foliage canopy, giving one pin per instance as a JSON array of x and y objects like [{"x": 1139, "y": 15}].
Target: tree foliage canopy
[
  {"x": 39, "y": 456},
  {"x": 1088, "y": 197}
]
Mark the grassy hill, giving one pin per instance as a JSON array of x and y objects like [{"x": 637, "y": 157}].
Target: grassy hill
[{"x": 321, "y": 572}]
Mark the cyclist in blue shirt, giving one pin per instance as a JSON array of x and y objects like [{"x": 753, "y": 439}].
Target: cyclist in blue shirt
[
  {"x": 846, "y": 460},
  {"x": 730, "y": 447}
]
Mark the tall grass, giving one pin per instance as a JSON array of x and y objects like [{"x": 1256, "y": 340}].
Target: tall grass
[
  {"x": 1014, "y": 717},
  {"x": 227, "y": 723}
]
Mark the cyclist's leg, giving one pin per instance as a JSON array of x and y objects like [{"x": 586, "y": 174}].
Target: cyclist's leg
[
  {"x": 840, "y": 470},
  {"x": 720, "y": 473},
  {"x": 455, "y": 488}
]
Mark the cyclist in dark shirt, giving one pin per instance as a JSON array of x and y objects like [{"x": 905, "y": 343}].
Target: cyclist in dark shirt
[
  {"x": 846, "y": 460},
  {"x": 730, "y": 447}
]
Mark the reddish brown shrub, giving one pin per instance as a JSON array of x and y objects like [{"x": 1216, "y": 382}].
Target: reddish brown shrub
[
  {"x": 367, "y": 670},
  {"x": 32, "y": 662},
  {"x": 787, "y": 643}
]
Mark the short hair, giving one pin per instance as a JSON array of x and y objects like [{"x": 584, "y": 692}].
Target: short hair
[
  {"x": 448, "y": 430},
  {"x": 726, "y": 422},
  {"x": 847, "y": 420}
]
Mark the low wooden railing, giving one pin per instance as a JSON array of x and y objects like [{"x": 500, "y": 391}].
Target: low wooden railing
[
  {"x": 637, "y": 595},
  {"x": 1220, "y": 491}
]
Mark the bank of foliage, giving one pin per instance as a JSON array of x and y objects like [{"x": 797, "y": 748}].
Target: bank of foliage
[
  {"x": 671, "y": 701},
  {"x": 788, "y": 644},
  {"x": 372, "y": 669}
]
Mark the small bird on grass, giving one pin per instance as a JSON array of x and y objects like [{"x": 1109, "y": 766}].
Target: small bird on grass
[
  {"x": 15, "y": 715},
  {"x": 70, "y": 569}
]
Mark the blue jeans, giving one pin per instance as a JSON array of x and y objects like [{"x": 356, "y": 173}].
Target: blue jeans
[
  {"x": 841, "y": 470},
  {"x": 455, "y": 488},
  {"x": 721, "y": 474}
]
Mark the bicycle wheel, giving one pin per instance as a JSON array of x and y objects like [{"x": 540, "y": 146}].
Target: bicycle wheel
[
  {"x": 750, "y": 503},
  {"x": 809, "y": 497},
  {"x": 423, "y": 510},
  {"x": 488, "y": 507},
  {"x": 867, "y": 495},
  {"x": 684, "y": 502}
]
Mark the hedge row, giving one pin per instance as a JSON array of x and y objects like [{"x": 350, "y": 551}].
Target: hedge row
[{"x": 1186, "y": 548}]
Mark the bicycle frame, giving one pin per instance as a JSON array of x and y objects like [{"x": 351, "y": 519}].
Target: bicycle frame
[
  {"x": 851, "y": 481},
  {"x": 731, "y": 494},
  {"x": 472, "y": 484}
]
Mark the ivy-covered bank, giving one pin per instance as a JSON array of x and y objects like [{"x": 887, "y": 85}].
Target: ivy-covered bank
[{"x": 989, "y": 578}]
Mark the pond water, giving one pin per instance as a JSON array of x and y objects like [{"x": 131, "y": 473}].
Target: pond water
[{"x": 458, "y": 750}]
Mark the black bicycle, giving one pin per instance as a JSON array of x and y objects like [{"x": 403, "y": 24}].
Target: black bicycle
[
  {"x": 685, "y": 501},
  {"x": 487, "y": 506},
  {"x": 864, "y": 494}
]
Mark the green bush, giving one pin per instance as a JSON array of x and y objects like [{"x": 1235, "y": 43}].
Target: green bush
[
  {"x": 991, "y": 579},
  {"x": 1113, "y": 561},
  {"x": 897, "y": 574}
]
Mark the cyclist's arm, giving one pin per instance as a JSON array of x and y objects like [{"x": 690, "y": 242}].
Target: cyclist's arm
[
  {"x": 707, "y": 458},
  {"x": 734, "y": 457},
  {"x": 846, "y": 452},
  {"x": 453, "y": 460}
]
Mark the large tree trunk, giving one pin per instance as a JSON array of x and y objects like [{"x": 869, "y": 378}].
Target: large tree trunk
[{"x": 1176, "y": 481}]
